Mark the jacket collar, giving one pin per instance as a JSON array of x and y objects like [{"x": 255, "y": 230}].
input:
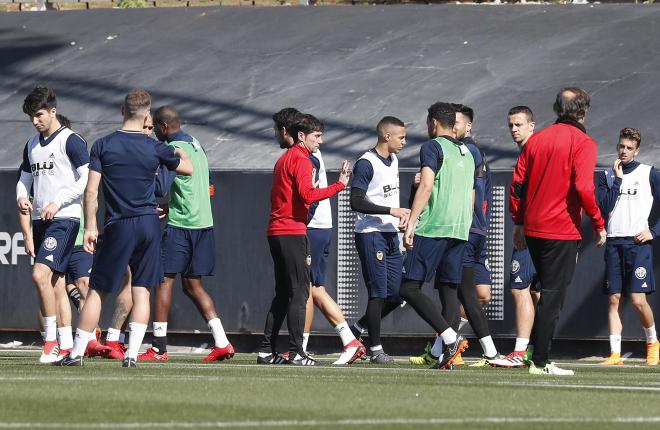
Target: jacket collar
[{"x": 571, "y": 121}]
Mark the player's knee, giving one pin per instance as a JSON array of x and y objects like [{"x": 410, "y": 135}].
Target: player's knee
[
  {"x": 41, "y": 277},
  {"x": 639, "y": 301},
  {"x": 614, "y": 300}
]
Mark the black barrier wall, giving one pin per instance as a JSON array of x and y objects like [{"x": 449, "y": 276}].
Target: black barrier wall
[{"x": 243, "y": 285}]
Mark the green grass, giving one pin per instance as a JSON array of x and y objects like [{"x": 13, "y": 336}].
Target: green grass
[{"x": 185, "y": 393}]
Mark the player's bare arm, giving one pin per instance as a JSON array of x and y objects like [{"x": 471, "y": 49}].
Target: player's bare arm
[
  {"x": 26, "y": 227},
  {"x": 421, "y": 199},
  {"x": 91, "y": 205}
]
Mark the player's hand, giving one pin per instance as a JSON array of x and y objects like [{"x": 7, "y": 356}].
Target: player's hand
[
  {"x": 28, "y": 243},
  {"x": 345, "y": 173},
  {"x": 408, "y": 237},
  {"x": 418, "y": 179},
  {"x": 618, "y": 168},
  {"x": 315, "y": 182},
  {"x": 89, "y": 240},
  {"x": 403, "y": 214},
  {"x": 519, "y": 241},
  {"x": 601, "y": 237},
  {"x": 48, "y": 213},
  {"x": 163, "y": 210},
  {"x": 644, "y": 236},
  {"x": 24, "y": 205}
]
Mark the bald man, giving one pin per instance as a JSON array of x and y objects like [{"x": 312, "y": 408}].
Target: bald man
[{"x": 188, "y": 243}]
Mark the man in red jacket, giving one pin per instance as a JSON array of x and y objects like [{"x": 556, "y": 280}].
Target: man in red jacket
[
  {"x": 552, "y": 183},
  {"x": 292, "y": 193}
]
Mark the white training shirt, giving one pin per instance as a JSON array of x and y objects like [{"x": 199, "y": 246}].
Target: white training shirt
[
  {"x": 323, "y": 216},
  {"x": 633, "y": 205},
  {"x": 383, "y": 190},
  {"x": 52, "y": 173}
]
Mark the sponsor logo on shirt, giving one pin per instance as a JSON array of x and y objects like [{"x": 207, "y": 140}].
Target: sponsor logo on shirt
[{"x": 44, "y": 168}]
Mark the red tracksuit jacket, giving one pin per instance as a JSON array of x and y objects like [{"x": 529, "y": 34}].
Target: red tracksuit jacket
[
  {"x": 552, "y": 182},
  {"x": 293, "y": 191}
]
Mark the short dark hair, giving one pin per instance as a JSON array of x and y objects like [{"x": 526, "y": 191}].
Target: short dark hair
[
  {"x": 64, "y": 121},
  {"x": 465, "y": 110},
  {"x": 41, "y": 97},
  {"x": 388, "y": 120},
  {"x": 524, "y": 110},
  {"x": 285, "y": 118},
  {"x": 167, "y": 115},
  {"x": 571, "y": 103},
  {"x": 631, "y": 134},
  {"x": 307, "y": 124},
  {"x": 444, "y": 113}
]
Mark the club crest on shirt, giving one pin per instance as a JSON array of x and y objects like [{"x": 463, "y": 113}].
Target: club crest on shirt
[
  {"x": 515, "y": 266},
  {"x": 50, "y": 243},
  {"x": 640, "y": 273},
  {"x": 380, "y": 255},
  {"x": 309, "y": 260}
]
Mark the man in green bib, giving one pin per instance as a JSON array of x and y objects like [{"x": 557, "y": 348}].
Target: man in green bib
[
  {"x": 188, "y": 245},
  {"x": 443, "y": 205}
]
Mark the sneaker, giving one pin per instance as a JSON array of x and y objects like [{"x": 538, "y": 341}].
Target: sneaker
[
  {"x": 426, "y": 359},
  {"x": 382, "y": 358},
  {"x": 613, "y": 360},
  {"x": 458, "y": 361},
  {"x": 276, "y": 358},
  {"x": 303, "y": 361},
  {"x": 652, "y": 350},
  {"x": 351, "y": 352},
  {"x": 63, "y": 353},
  {"x": 50, "y": 352},
  {"x": 219, "y": 354},
  {"x": 483, "y": 361},
  {"x": 150, "y": 355},
  {"x": 514, "y": 359},
  {"x": 114, "y": 350},
  {"x": 95, "y": 349},
  {"x": 450, "y": 352},
  {"x": 549, "y": 369},
  {"x": 527, "y": 359},
  {"x": 128, "y": 362},
  {"x": 70, "y": 361}
]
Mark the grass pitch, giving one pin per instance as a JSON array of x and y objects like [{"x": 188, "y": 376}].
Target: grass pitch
[{"x": 185, "y": 393}]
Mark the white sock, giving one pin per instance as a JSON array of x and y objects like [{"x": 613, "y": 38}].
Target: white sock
[
  {"x": 345, "y": 333},
  {"x": 66, "y": 337},
  {"x": 160, "y": 329},
  {"x": 488, "y": 346},
  {"x": 112, "y": 335},
  {"x": 358, "y": 327},
  {"x": 436, "y": 350},
  {"x": 218, "y": 333},
  {"x": 50, "y": 328},
  {"x": 615, "y": 343},
  {"x": 80, "y": 343},
  {"x": 376, "y": 349},
  {"x": 651, "y": 337},
  {"x": 305, "y": 340},
  {"x": 462, "y": 324},
  {"x": 135, "y": 339},
  {"x": 448, "y": 336},
  {"x": 521, "y": 344}
]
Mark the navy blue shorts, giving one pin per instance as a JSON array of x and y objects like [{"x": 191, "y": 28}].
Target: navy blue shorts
[
  {"x": 629, "y": 268},
  {"x": 435, "y": 254},
  {"x": 523, "y": 272},
  {"x": 476, "y": 255},
  {"x": 80, "y": 264},
  {"x": 319, "y": 244},
  {"x": 382, "y": 263},
  {"x": 54, "y": 241},
  {"x": 133, "y": 242},
  {"x": 190, "y": 252}
]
